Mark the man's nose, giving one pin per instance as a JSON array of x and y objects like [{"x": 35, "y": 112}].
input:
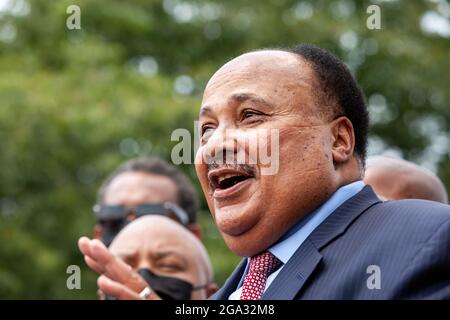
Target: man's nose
[
  {"x": 222, "y": 146},
  {"x": 144, "y": 264}
]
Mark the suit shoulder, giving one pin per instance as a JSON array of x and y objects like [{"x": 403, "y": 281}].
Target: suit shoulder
[
  {"x": 412, "y": 213},
  {"x": 416, "y": 208}
]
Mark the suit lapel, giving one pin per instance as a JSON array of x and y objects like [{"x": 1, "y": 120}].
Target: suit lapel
[
  {"x": 301, "y": 265},
  {"x": 231, "y": 284},
  {"x": 294, "y": 274},
  {"x": 338, "y": 222}
]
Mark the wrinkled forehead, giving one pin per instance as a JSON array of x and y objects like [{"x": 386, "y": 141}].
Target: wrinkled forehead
[
  {"x": 266, "y": 69},
  {"x": 281, "y": 81}
]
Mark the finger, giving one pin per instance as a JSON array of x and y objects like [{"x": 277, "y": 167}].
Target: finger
[
  {"x": 123, "y": 273},
  {"x": 84, "y": 246},
  {"x": 114, "y": 268},
  {"x": 99, "y": 252},
  {"x": 116, "y": 289},
  {"x": 101, "y": 295},
  {"x": 134, "y": 281},
  {"x": 101, "y": 260},
  {"x": 107, "y": 263},
  {"x": 94, "y": 265}
]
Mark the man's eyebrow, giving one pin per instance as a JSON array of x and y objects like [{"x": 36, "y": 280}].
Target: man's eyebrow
[
  {"x": 204, "y": 110},
  {"x": 242, "y": 97},
  {"x": 166, "y": 253}
]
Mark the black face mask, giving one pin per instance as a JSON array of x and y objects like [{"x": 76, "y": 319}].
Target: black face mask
[{"x": 169, "y": 288}]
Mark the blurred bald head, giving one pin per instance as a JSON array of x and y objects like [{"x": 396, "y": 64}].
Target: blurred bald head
[
  {"x": 395, "y": 179},
  {"x": 167, "y": 249}
]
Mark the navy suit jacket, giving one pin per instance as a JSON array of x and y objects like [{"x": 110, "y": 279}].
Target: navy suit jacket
[{"x": 408, "y": 242}]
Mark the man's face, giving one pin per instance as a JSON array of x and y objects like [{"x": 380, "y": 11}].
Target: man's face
[
  {"x": 166, "y": 249},
  {"x": 252, "y": 95},
  {"x": 131, "y": 189}
]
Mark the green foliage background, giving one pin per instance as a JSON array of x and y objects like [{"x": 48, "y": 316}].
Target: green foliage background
[{"x": 76, "y": 103}]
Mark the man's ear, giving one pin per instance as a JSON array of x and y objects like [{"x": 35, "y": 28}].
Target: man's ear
[
  {"x": 196, "y": 230},
  {"x": 97, "y": 232},
  {"x": 343, "y": 142},
  {"x": 212, "y": 288}
]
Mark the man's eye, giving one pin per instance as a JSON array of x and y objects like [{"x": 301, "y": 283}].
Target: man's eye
[
  {"x": 247, "y": 114},
  {"x": 207, "y": 130},
  {"x": 170, "y": 267}
]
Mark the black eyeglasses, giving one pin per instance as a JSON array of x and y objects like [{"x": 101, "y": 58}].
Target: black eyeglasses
[{"x": 117, "y": 214}]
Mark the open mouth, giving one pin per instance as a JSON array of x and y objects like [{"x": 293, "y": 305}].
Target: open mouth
[
  {"x": 222, "y": 179},
  {"x": 228, "y": 181}
]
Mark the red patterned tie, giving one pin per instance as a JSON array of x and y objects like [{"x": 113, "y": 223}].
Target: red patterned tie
[{"x": 261, "y": 266}]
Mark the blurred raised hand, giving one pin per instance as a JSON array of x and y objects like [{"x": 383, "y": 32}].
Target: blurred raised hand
[{"x": 116, "y": 278}]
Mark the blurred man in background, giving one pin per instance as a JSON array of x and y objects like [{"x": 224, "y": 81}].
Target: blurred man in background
[
  {"x": 166, "y": 255},
  {"x": 144, "y": 186},
  {"x": 396, "y": 179}
]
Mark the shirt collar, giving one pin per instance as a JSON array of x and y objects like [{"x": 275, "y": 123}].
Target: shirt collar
[{"x": 285, "y": 248}]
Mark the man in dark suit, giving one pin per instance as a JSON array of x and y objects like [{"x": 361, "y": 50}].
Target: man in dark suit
[
  {"x": 310, "y": 229},
  {"x": 367, "y": 249}
]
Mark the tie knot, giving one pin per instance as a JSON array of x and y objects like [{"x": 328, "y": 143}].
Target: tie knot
[{"x": 265, "y": 263}]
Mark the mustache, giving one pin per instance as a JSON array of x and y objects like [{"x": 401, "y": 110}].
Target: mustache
[{"x": 249, "y": 169}]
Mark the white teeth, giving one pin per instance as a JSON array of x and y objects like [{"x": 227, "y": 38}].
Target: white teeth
[{"x": 229, "y": 175}]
